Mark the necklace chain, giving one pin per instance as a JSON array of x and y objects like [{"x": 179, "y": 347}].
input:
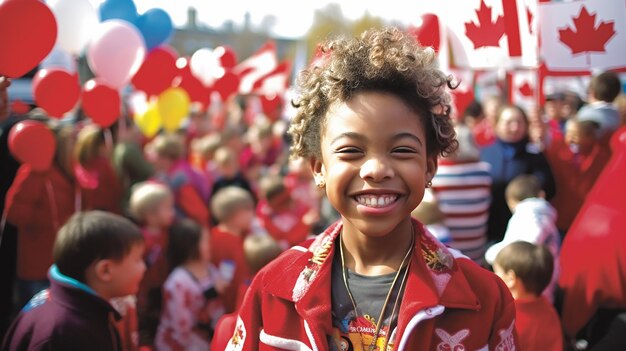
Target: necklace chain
[{"x": 379, "y": 322}]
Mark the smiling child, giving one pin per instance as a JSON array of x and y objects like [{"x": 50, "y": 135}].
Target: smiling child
[{"x": 372, "y": 118}]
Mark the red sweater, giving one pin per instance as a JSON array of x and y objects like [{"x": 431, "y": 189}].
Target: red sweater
[
  {"x": 227, "y": 248},
  {"x": 449, "y": 303},
  {"x": 285, "y": 224},
  {"x": 101, "y": 186},
  {"x": 574, "y": 176},
  {"x": 38, "y": 204},
  {"x": 538, "y": 325}
]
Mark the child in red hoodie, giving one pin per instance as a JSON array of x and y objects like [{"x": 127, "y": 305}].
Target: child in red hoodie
[
  {"x": 233, "y": 208},
  {"x": 190, "y": 188},
  {"x": 152, "y": 206},
  {"x": 527, "y": 270},
  {"x": 285, "y": 218}
]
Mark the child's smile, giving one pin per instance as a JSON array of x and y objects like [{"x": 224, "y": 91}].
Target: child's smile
[{"x": 374, "y": 161}]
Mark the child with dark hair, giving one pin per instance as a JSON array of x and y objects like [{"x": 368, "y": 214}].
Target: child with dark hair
[
  {"x": 98, "y": 256},
  {"x": 533, "y": 221},
  {"x": 191, "y": 303},
  {"x": 577, "y": 161},
  {"x": 527, "y": 270},
  {"x": 372, "y": 119},
  {"x": 473, "y": 114},
  {"x": 603, "y": 90}
]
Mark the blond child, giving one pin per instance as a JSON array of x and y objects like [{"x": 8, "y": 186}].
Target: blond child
[
  {"x": 152, "y": 206},
  {"x": 527, "y": 270},
  {"x": 233, "y": 208}
]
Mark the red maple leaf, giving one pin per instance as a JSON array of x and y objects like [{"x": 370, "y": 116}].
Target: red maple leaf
[
  {"x": 526, "y": 90},
  {"x": 485, "y": 33},
  {"x": 529, "y": 16},
  {"x": 587, "y": 37}
]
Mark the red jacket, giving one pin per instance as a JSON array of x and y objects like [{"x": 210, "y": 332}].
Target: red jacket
[
  {"x": 285, "y": 224},
  {"x": 227, "y": 249},
  {"x": 38, "y": 204},
  {"x": 449, "y": 303},
  {"x": 574, "y": 177}
]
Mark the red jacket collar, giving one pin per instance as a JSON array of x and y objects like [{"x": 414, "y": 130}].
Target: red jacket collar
[{"x": 435, "y": 278}]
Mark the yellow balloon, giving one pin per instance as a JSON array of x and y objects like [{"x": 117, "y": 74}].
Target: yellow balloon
[
  {"x": 173, "y": 106},
  {"x": 149, "y": 122}
]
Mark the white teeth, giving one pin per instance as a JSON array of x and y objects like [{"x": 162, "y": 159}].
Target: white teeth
[{"x": 376, "y": 201}]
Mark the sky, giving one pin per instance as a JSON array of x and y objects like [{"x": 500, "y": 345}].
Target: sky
[{"x": 293, "y": 18}]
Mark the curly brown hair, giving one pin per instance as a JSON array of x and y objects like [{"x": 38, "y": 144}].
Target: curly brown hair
[{"x": 383, "y": 60}]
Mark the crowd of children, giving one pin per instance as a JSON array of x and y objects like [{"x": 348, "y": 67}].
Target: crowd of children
[{"x": 136, "y": 244}]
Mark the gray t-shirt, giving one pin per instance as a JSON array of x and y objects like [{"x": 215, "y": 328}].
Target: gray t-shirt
[{"x": 369, "y": 292}]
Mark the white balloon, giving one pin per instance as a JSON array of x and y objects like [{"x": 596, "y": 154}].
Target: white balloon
[
  {"x": 205, "y": 66},
  {"x": 76, "y": 23},
  {"x": 116, "y": 52}
]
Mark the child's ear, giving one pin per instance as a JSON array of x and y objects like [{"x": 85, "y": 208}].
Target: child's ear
[
  {"x": 431, "y": 167},
  {"x": 510, "y": 279},
  {"x": 318, "y": 170},
  {"x": 103, "y": 270}
]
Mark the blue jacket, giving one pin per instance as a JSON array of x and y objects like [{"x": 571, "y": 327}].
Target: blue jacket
[
  {"x": 68, "y": 316},
  {"x": 508, "y": 160}
]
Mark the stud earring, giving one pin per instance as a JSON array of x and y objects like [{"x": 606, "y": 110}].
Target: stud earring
[
  {"x": 429, "y": 184},
  {"x": 321, "y": 184}
]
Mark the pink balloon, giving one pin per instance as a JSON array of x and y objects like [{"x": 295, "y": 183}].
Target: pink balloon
[{"x": 116, "y": 52}]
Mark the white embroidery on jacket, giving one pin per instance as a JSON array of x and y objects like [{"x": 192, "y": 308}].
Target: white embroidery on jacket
[
  {"x": 507, "y": 340},
  {"x": 239, "y": 337},
  {"x": 451, "y": 342}
]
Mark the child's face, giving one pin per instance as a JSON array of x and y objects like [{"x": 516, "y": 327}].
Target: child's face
[
  {"x": 165, "y": 212},
  {"x": 374, "y": 162},
  {"x": 242, "y": 219},
  {"x": 574, "y": 135},
  {"x": 127, "y": 273},
  {"x": 511, "y": 126}
]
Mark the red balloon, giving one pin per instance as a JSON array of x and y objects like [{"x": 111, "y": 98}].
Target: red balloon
[
  {"x": 192, "y": 85},
  {"x": 101, "y": 103},
  {"x": 226, "y": 55},
  {"x": 28, "y": 31},
  {"x": 56, "y": 91},
  {"x": 157, "y": 71},
  {"x": 427, "y": 33},
  {"x": 227, "y": 86},
  {"x": 32, "y": 143},
  {"x": 271, "y": 106}
]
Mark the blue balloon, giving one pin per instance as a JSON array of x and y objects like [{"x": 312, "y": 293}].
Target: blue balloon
[
  {"x": 156, "y": 27},
  {"x": 118, "y": 9}
]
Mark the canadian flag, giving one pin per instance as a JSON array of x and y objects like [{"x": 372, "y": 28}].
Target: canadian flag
[
  {"x": 523, "y": 88},
  {"x": 583, "y": 35},
  {"x": 258, "y": 65},
  {"x": 274, "y": 82},
  {"x": 463, "y": 95},
  {"x": 491, "y": 33}
]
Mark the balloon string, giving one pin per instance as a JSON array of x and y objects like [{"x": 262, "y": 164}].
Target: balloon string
[
  {"x": 108, "y": 139},
  {"x": 53, "y": 205}
]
